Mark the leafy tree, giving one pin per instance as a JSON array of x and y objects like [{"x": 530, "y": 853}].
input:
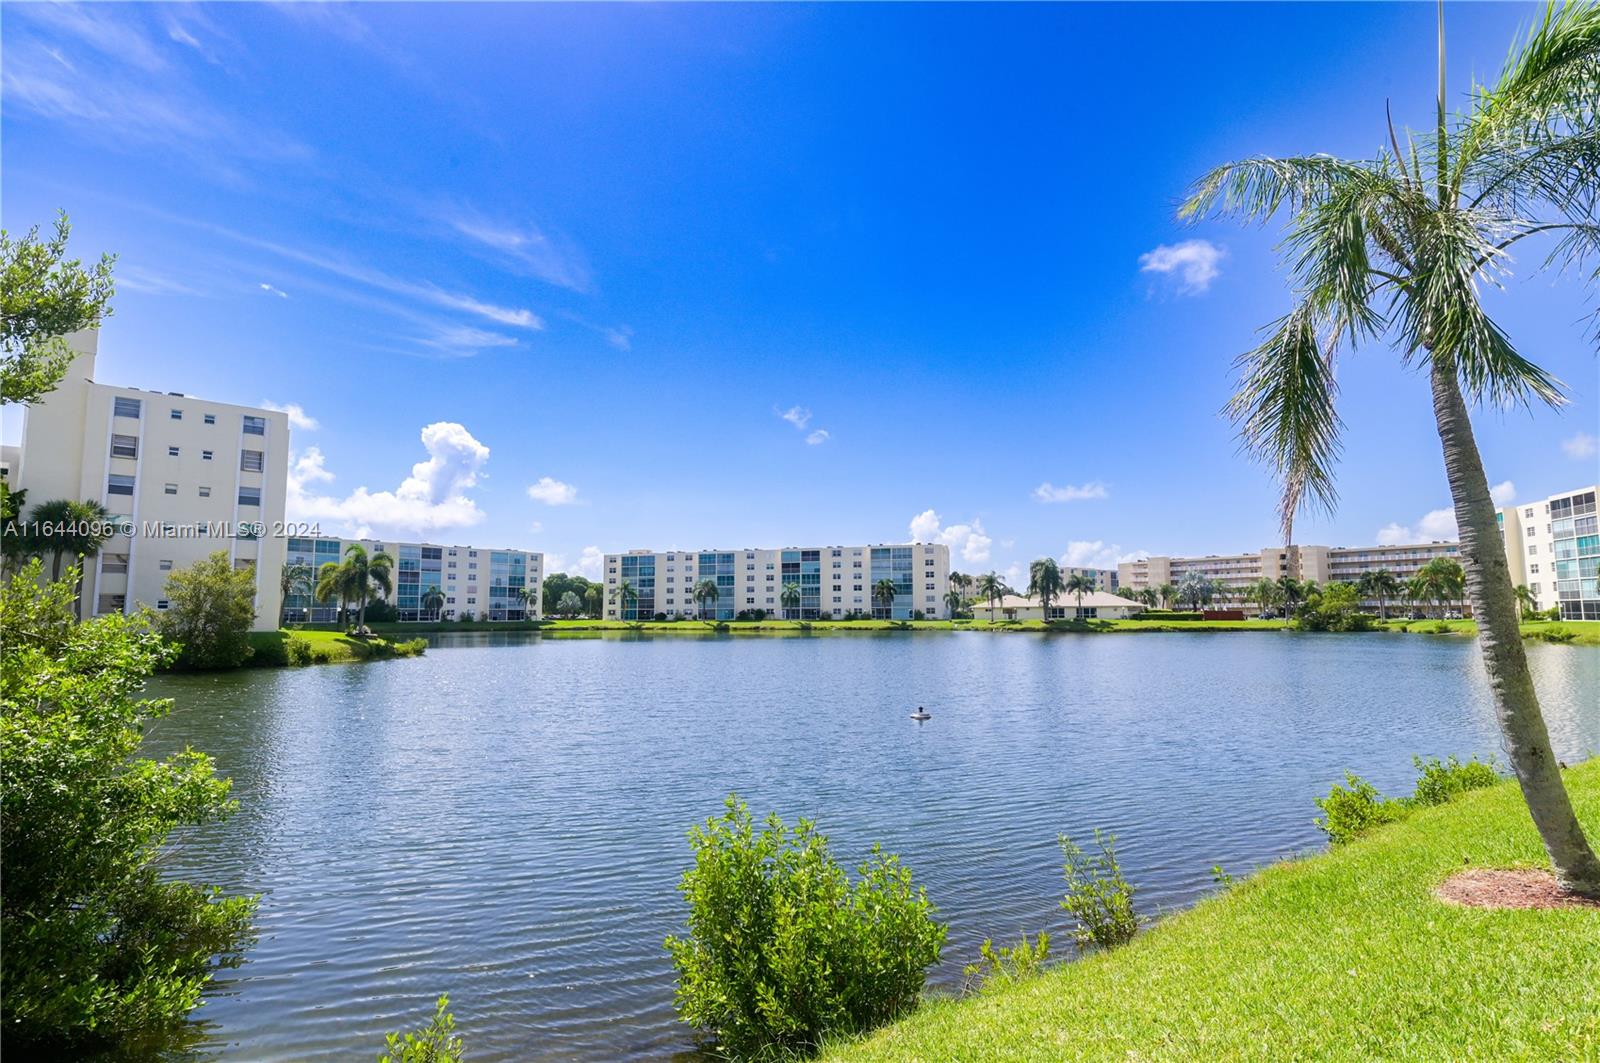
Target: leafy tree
[
  {"x": 707, "y": 591},
  {"x": 559, "y": 583},
  {"x": 432, "y": 602},
  {"x": 363, "y": 574},
  {"x": 1195, "y": 590},
  {"x": 570, "y": 604},
  {"x": 44, "y": 296},
  {"x": 15, "y": 544},
  {"x": 1399, "y": 248},
  {"x": 101, "y": 947},
  {"x": 789, "y": 598},
  {"x": 624, "y": 595},
  {"x": 295, "y": 579},
  {"x": 1526, "y": 600},
  {"x": 434, "y": 1043},
  {"x": 1045, "y": 583},
  {"x": 1264, "y": 592},
  {"x": 212, "y": 608},
  {"x": 1078, "y": 585},
  {"x": 883, "y": 594},
  {"x": 991, "y": 588},
  {"x": 1380, "y": 584}
]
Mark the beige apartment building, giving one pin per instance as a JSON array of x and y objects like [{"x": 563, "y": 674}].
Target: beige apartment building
[
  {"x": 834, "y": 581},
  {"x": 486, "y": 583},
  {"x": 1323, "y": 564},
  {"x": 183, "y": 477},
  {"x": 1553, "y": 547},
  {"x": 1105, "y": 579}
]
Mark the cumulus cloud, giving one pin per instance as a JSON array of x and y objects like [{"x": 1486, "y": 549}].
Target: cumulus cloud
[
  {"x": 1435, "y": 524},
  {"x": 818, "y": 437},
  {"x": 1048, "y": 492},
  {"x": 969, "y": 541},
  {"x": 298, "y": 417},
  {"x": 1581, "y": 446},
  {"x": 1193, "y": 263},
  {"x": 1096, "y": 553},
  {"x": 588, "y": 564},
  {"x": 1504, "y": 493},
  {"x": 798, "y": 416},
  {"x": 553, "y": 492},
  {"x": 432, "y": 498}
]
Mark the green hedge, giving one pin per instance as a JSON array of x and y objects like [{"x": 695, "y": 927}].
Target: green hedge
[{"x": 1166, "y": 614}]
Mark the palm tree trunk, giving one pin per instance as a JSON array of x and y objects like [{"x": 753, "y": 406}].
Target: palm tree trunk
[{"x": 1500, "y": 639}]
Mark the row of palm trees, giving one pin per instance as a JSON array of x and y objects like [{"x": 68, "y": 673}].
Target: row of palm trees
[
  {"x": 60, "y": 529},
  {"x": 354, "y": 582}
]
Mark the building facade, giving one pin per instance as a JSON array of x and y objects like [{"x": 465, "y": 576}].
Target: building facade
[
  {"x": 183, "y": 477},
  {"x": 1105, "y": 579},
  {"x": 1322, "y": 564},
  {"x": 488, "y": 584},
  {"x": 1553, "y": 547},
  {"x": 832, "y": 581},
  {"x": 1099, "y": 605}
]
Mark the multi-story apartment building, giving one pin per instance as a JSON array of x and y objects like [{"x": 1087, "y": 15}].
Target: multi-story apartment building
[
  {"x": 489, "y": 584},
  {"x": 1105, "y": 579},
  {"x": 833, "y": 581},
  {"x": 1553, "y": 547},
  {"x": 1322, "y": 564},
  {"x": 183, "y": 477}
]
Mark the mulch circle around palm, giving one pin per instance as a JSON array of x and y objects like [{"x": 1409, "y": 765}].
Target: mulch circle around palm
[{"x": 1508, "y": 888}]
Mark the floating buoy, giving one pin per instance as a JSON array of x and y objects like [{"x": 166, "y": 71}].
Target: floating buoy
[{"x": 921, "y": 714}]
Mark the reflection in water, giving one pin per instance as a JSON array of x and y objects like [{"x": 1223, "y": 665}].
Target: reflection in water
[{"x": 503, "y": 819}]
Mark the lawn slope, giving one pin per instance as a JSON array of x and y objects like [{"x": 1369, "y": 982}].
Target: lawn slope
[{"x": 1341, "y": 956}]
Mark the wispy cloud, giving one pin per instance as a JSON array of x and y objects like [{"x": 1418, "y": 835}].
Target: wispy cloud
[
  {"x": 131, "y": 278},
  {"x": 553, "y": 492},
  {"x": 434, "y": 497},
  {"x": 551, "y": 258},
  {"x": 1580, "y": 446},
  {"x": 1048, "y": 492},
  {"x": 298, "y": 417},
  {"x": 969, "y": 541},
  {"x": 798, "y": 416},
  {"x": 1194, "y": 263},
  {"x": 818, "y": 437},
  {"x": 270, "y": 290}
]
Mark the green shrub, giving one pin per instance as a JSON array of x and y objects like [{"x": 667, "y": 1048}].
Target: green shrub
[
  {"x": 1440, "y": 627},
  {"x": 323, "y": 654},
  {"x": 1167, "y": 614},
  {"x": 1098, "y": 897},
  {"x": 783, "y": 949},
  {"x": 434, "y": 1043},
  {"x": 410, "y": 648},
  {"x": 1005, "y": 966},
  {"x": 298, "y": 650},
  {"x": 1350, "y": 811},
  {"x": 1440, "y": 782},
  {"x": 212, "y": 608},
  {"x": 1556, "y": 634}
]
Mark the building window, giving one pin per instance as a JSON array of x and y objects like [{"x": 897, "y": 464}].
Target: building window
[
  {"x": 119, "y": 485},
  {"x": 114, "y": 563},
  {"x": 126, "y": 408},
  {"x": 1533, "y": 548},
  {"x": 249, "y": 496},
  {"x": 205, "y": 492},
  {"x": 211, "y": 418},
  {"x": 170, "y": 489},
  {"x": 244, "y": 564},
  {"x": 162, "y": 603},
  {"x": 111, "y": 603},
  {"x": 172, "y": 452},
  {"x": 255, "y": 426},
  {"x": 124, "y": 447},
  {"x": 252, "y": 460},
  {"x": 165, "y": 566},
  {"x": 177, "y": 415}
]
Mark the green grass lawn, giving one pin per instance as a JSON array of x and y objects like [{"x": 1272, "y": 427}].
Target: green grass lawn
[
  {"x": 1584, "y": 632},
  {"x": 1341, "y": 956},
  {"x": 330, "y": 647}
]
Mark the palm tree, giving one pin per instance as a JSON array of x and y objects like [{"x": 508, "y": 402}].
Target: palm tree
[
  {"x": 1195, "y": 590},
  {"x": 1381, "y": 584},
  {"x": 14, "y": 544},
  {"x": 67, "y": 527},
  {"x": 365, "y": 573},
  {"x": 1045, "y": 584},
  {"x": 1167, "y": 593},
  {"x": 1290, "y": 592},
  {"x": 1398, "y": 247},
  {"x": 591, "y": 599},
  {"x": 1440, "y": 580},
  {"x": 1526, "y": 599},
  {"x": 331, "y": 584},
  {"x": 991, "y": 587},
  {"x": 433, "y": 601},
  {"x": 954, "y": 601},
  {"x": 1078, "y": 585},
  {"x": 706, "y": 591},
  {"x": 883, "y": 593},
  {"x": 296, "y": 579},
  {"x": 790, "y": 599},
  {"x": 530, "y": 602},
  {"x": 1149, "y": 597},
  {"x": 624, "y": 595}
]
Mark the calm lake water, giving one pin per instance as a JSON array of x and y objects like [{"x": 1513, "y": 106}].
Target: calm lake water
[{"x": 503, "y": 819}]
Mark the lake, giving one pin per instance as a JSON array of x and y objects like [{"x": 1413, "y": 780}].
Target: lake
[{"x": 503, "y": 819}]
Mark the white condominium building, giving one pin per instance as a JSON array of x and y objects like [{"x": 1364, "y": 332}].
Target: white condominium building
[
  {"x": 431, "y": 582},
  {"x": 1105, "y": 579},
  {"x": 833, "y": 581},
  {"x": 1323, "y": 564},
  {"x": 183, "y": 477},
  {"x": 1553, "y": 547}
]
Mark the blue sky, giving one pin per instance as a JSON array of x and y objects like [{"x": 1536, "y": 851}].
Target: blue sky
[{"x": 551, "y": 276}]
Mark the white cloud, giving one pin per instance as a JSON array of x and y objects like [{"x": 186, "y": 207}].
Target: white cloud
[
  {"x": 1048, "y": 492},
  {"x": 588, "y": 564},
  {"x": 131, "y": 278},
  {"x": 795, "y": 415},
  {"x": 536, "y": 526},
  {"x": 298, "y": 417},
  {"x": 1436, "y": 524},
  {"x": 553, "y": 492},
  {"x": 432, "y": 498},
  {"x": 619, "y": 336},
  {"x": 270, "y": 290},
  {"x": 462, "y": 341},
  {"x": 1096, "y": 553},
  {"x": 1193, "y": 261},
  {"x": 970, "y": 541},
  {"x": 1504, "y": 493},
  {"x": 550, "y": 258},
  {"x": 819, "y": 436},
  {"x": 1580, "y": 446}
]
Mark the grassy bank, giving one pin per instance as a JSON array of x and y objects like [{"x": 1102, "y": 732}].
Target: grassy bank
[
  {"x": 1345, "y": 955},
  {"x": 325, "y": 647},
  {"x": 1582, "y": 632}
]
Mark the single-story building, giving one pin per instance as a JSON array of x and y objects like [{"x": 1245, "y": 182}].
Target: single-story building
[{"x": 1097, "y": 605}]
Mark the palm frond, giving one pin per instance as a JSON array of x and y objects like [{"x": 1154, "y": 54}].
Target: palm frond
[
  {"x": 1255, "y": 189},
  {"x": 1284, "y": 407}
]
